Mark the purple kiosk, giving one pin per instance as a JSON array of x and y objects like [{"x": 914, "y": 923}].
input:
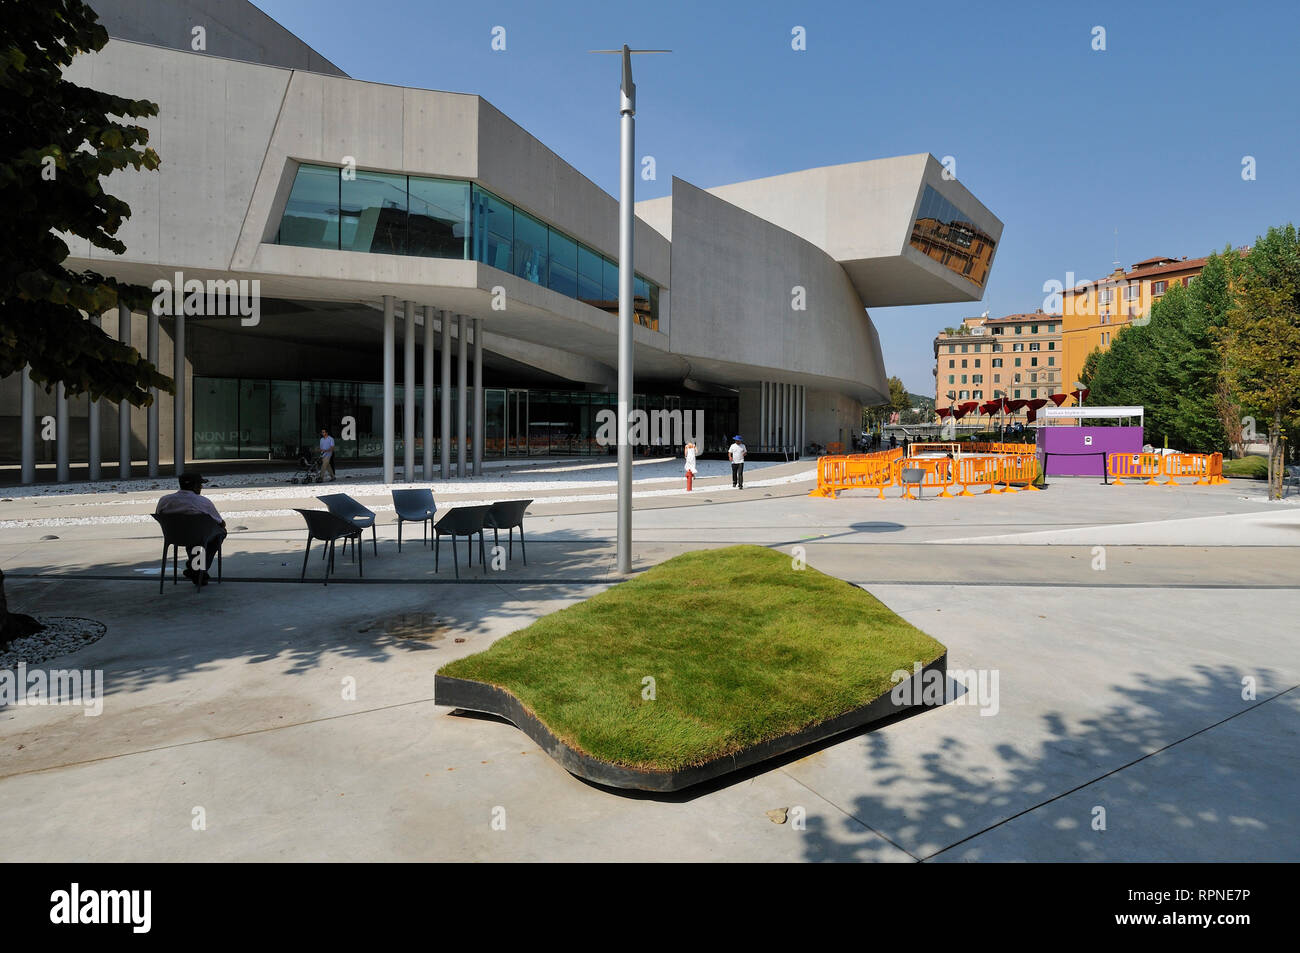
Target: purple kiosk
[{"x": 1069, "y": 448}]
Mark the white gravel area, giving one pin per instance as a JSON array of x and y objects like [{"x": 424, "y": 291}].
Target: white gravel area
[{"x": 62, "y": 635}]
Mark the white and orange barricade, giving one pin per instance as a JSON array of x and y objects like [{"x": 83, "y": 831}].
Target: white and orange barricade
[{"x": 1134, "y": 466}]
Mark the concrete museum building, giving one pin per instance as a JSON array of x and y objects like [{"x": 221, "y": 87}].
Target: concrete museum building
[{"x": 420, "y": 247}]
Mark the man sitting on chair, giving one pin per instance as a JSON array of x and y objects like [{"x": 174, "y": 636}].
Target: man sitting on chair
[{"x": 187, "y": 501}]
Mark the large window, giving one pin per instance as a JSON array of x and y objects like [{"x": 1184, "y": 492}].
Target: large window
[
  {"x": 948, "y": 235},
  {"x": 394, "y": 214}
]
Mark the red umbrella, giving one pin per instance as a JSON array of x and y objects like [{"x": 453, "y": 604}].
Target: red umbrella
[
  {"x": 1015, "y": 405},
  {"x": 1035, "y": 406},
  {"x": 1058, "y": 399},
  {"x": 943, "y": 412},
  {"x": 1080, "y": 395}
]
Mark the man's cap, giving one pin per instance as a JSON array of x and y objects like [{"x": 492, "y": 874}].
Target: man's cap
[
  {"x": 737, "y": 437},
  {"x": 192, "y": 478}
]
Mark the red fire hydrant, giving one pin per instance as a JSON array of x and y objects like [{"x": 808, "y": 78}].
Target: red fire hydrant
[{"x": 690, "y": 466}]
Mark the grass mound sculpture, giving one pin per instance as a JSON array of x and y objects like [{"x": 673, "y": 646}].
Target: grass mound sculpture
[{"x": 707, "y": 663}]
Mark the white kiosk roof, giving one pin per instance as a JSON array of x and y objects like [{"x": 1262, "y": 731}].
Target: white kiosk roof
[{"x": 1097, "y": 413}]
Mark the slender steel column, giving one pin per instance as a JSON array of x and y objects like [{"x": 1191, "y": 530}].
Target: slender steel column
[
  {"x": 462, "y": 392},
  {"x": 27, "y": 406},
  {"x": 426, "y": 463},
  {"x": 151, "y": 415},
  {"x": 124, "y": 408},
  {"x": 480, "y": 408},
  {"x": 92, "y": 426},
  {"x": 408, "y": 394},
  {"x": 626, "y": 259},
  {"x": 444, "y": 400},
  {"x": 803, "y": 417},
  {"x": 389, "y": 386},
  {"x": 62, "y": 436},
  {"x": 762, "y": 411},
  {"x": 178, "y": 404}
]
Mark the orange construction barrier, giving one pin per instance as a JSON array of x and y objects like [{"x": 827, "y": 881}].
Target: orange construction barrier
[
  {"x": 1017, "y": 468},
  {"x": 977, "y": 471},
  {"x": 859, "y": 471},
  {"x": 915, "y": 448},
  {"x": 1216, "y": 469},
  {"x": 1186, "y": 465},
  {"x": 1134, "y": 465}
]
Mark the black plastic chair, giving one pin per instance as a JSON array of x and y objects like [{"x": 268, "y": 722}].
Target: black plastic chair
[
  {"x": 185, "y": 531},
  {"x": 414, "y": 506},
  {"x": 326, "y": 526},
  {"x": 461, "y": 521},
  {"x": 508, "y": 514},
  {"x": 341, "y": 504}
]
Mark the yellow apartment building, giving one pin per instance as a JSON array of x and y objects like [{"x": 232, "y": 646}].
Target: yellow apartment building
[{"x": 1093, "y": 312}]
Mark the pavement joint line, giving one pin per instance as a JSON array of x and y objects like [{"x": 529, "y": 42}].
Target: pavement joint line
[
  {"x": 1113, "y": 771},
  {"x": 199, "y": 741},
  {"x": 856, "y": 820}
]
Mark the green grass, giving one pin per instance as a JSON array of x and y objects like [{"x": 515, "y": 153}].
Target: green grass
[
  {"x": 1251, "y": 467},
  {"x": 743, "y": 648}
]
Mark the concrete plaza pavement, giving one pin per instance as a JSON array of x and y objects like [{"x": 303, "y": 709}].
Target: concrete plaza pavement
[{"x": 1121, "y": 622}]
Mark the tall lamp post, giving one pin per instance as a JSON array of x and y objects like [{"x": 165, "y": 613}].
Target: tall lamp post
[
  {"x": 1002, "y": 414},
  {"x": 952, "y": 402},
  {"x": 626, "y": 205},
  {"x": 1078, "y": 386}
]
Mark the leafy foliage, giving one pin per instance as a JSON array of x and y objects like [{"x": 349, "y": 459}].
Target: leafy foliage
[
  {"x": 1261, "y": 338},
  {"x": 61, "y": 139}
]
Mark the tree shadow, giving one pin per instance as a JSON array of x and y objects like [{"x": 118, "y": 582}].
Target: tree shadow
[{"x": 955, "y": 799}]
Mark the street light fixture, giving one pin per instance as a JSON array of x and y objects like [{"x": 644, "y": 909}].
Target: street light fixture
[
  {"x": 626, "y": 205},
  {"x": 1079, "y": 388}
]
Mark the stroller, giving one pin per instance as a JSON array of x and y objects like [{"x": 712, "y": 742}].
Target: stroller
[{"x": 309, "y": 467}]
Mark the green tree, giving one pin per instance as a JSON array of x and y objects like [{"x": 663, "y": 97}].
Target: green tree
[
  {"x": 60, "y": 140},
  {"x": 1261, "y": 339}
]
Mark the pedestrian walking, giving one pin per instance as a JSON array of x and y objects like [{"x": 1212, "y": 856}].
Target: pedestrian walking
[
  {"x": 326, "y": 455},
  {"x": 691, "y": 470},
  {"x": 736, "y": 454}
]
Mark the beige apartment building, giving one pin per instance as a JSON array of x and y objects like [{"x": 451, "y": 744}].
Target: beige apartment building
[{"x": 1018, "y": 356}]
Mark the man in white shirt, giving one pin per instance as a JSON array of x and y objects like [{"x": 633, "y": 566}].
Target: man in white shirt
[
  {"x": 187, "y": 501},
  {"x": 736, "y": 454},
  {"x": 326, "y": 455}
]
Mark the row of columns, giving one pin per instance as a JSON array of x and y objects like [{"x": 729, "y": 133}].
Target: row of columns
[
  {"x": 62, "y": 463},
  {"x": 782, "y": 415},
  {"x": 409, "y": 311}
]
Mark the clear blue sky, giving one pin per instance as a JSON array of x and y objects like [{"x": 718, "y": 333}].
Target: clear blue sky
[{"x": 1062, "y": 143}]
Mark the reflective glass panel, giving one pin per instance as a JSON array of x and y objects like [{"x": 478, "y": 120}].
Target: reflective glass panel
[
  {"x": 372, "y": 211},
  {"x": 946, "y": 234},
  {"x": 438, "y": 225},
  {"x": 311, "y": 217},
  {"x": 564, "y": 264},
  {"x": 591, "y": 277},
  {"x": 531, "y": 248},
  {"x": 494, "y": 230}
]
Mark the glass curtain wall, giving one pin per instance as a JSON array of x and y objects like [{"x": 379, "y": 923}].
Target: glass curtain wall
[{"x": 394, "y": 214}]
